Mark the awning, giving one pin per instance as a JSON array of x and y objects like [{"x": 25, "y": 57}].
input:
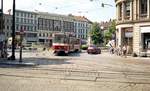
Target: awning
[{"x": 145, "y": 29}]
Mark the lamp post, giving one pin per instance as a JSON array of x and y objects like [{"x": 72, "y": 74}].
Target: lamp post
[
  {"x": 13, "y": 32},
  {"x": 21, "y": 39},
  {"x": 102, "y": 4}
]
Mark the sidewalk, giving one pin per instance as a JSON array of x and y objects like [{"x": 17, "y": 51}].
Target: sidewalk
[{"x": 16, "y": 63}]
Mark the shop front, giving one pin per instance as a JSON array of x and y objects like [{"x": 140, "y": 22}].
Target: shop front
[
  {"x": 145, "y": 38},
  {"x": 127, "y": 38}
]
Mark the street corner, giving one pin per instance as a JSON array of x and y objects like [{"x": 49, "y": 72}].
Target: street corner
[{"x": 17, "y": 63}]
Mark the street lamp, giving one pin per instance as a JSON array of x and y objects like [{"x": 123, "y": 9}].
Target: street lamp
[
  {"x": 13, "y": 33},
  {"x": 102, "y": 4}
]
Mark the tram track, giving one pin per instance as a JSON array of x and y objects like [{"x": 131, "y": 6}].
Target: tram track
[{"x": 79, "y": 75}]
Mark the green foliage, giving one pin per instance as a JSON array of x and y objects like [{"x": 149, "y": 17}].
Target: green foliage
[
  {"x": 96, "y": 34},
  {"x": 111, "y": 30},
  {"x": 84, "y": 47},
  {"x": 112, "y": 27}
]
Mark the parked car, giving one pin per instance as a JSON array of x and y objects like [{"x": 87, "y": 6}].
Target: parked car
[{"x": 92, "y": 49}]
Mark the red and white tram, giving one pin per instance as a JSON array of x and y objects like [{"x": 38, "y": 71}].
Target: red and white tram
[{"x": 65, "y": 43}]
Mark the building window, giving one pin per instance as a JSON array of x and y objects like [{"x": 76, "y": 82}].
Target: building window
[
  {"x": 31, "y": 21},
  {"x": 17, "y": 14},
  {"x": 17, "y": 20},
  {"x": 7, "y": 20},
  {"x": 21, "y": 20},
  {"x": 25, "y": 28},
  {"x": 21, "y": 14},
  {"x": 127, "y": 8},
  {"x": 24, "y": 14},
  {"x": 28, "y": 14},
  {"x": 28, "y": 28},
  {"x": 25, "y": 21},
  {"x": 47, "y": 34},
  {"x": 35, "y": 28},
  {"x": 43, "y": 34},
  {"x": 17, "y": 27},
  {"x": 143, "y": 7},
  {"x": 7, "y": 27},
  {"x": 39, "y": 34},
  {"x": 31, "y": 28}
]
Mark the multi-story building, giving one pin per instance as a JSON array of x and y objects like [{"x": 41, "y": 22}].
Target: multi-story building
[
  {"x": 7, "y": 25},
  {"x": 82, "y": 27},
  {"x": 133, "y": 24},
  {"x": 51, "y": 23},
  {"x": 26, "y": 21},
  {"x": 104, "y": 26},
  {"x": 1, "y": 27}
]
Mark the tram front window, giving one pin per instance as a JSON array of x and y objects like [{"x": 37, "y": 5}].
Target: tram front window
[{"x": 60, "y": 39}]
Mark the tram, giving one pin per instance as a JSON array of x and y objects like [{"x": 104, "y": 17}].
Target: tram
[{"x": 64, "y": 43}]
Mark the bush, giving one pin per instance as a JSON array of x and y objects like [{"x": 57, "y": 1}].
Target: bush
[{"x": 84, "y": 47}]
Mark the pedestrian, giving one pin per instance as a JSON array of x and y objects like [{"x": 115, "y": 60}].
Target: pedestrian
[
  {"x": 5, "y": 49},
  {"x": 44, "y": 49},
  {"x": 124, "y": 50},
  {"x": 119, "y": 50}
]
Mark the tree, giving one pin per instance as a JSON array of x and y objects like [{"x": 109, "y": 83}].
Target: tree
[
  {"x": 96, "y": 34},
  {"x": 111, "y": 31}
]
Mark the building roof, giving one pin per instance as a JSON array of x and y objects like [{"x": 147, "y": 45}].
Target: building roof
[
  {"x": 80, "y": 18},
  {"x": 105, "y": 25},
  {"x": 17, "y": 10}
]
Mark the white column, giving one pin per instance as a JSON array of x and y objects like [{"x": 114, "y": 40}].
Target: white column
[
  {"x": 123, "y": 10},
  {"x": 119, "y": 36},
  {"x": 131, "y": 10},
  {"x": 148, "y": 9},
  {"x": 117, "y": 12},
  {"x": 138, "y": 10}
]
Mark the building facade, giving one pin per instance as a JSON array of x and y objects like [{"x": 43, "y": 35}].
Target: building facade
[
  {"x": 26, "y": 21},
  {"x": 133, "y": 24},
  {"x": 7, "y": 25},
  {"x": 52, "y": 23},
  {"x": 82, "y": 27}
]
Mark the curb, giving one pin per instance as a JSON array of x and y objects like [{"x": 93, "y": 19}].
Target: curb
[{"x": 14, "y": 63}]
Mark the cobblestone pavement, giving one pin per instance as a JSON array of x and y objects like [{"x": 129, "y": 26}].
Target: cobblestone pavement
[{"x": 77, "y": 72}]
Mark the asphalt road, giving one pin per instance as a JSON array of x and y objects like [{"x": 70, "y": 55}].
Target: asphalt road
[{"x": 77, "y": 72}]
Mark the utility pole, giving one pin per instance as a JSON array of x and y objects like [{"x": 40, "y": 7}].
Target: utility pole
[
  {"x": 1, "y": 19},
  {"x": 1, "y": 30},
  {"x": 13, "y": 32}
]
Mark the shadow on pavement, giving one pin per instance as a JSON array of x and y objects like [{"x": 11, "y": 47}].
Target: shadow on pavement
[
  {"x": 33, "y": 60},
  {"x": 74, "y": 54},
  {"x": 47, "y": 61}
]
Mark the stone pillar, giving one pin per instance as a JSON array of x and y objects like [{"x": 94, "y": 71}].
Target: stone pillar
[
  {"x": 117, "y": 12},
  {"x": 119, "y": 36},
  {"x": 131, "y": 10},
  {"x": 136, "y": 39},
  {"x": 123, "y": 10},
  {"x": 137, "y": 10},
  {"x": 148, "y": 9},
  {"x": 134, "y": 9}
]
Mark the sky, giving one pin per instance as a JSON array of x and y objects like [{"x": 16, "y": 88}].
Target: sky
[{"x": 89, "y": 8}]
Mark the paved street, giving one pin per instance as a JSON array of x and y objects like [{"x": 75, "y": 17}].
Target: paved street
[{"x": 77, "y": 72}]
